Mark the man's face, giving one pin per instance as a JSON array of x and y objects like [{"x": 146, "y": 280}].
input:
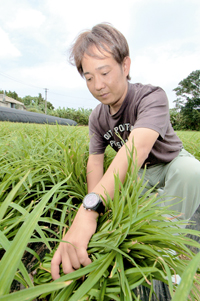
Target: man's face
[{"x": 106, "y": 79}]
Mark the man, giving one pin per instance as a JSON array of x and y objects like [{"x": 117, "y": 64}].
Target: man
[{"x": 137, "y": 113}]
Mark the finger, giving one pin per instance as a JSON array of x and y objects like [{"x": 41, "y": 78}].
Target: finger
[
  {"x": 55, "y": 265},
  {"x": 67, "y": 264},
  {"x": 83, "y": 256},
  {"x": 73, "y": 257}
]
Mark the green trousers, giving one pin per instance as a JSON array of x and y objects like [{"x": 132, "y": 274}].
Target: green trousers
[{"x": 177, "y": 180}]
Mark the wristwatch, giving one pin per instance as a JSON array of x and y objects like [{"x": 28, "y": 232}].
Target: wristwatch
[{"x": 92, "y": 201}]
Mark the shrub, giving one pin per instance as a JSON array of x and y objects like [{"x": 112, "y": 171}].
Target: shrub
[{"x": 81, "y": 115}]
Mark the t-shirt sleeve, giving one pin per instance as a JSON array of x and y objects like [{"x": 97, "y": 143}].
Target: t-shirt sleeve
[
  {"x": 153, "y": 112},
  {"x": 97, "y": 142}
]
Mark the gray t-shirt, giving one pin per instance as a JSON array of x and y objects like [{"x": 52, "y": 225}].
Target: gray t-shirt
[{"x": 144, "y": 106}]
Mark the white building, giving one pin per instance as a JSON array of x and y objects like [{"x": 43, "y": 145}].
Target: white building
[{"x": 8, "y": 102}]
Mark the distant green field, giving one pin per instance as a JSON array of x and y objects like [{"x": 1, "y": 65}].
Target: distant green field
[
  {"x": 191, "y": 142},
  {"x": 8, "y": 130}
]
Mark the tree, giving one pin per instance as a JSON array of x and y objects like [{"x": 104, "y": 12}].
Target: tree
[
  {"x": 28, "y": 100},
  {"x": 50, "y": 106},
  {"x": 188, "y": 100},
  {"x": 11, "y": 94},
  {"x": 175, "y": 118},
  {"x": 36, "y": 102}
]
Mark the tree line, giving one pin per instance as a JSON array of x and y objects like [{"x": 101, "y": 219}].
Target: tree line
[
  {"x": 37, "y": 104},
  {"x": 184, "y": 116},
  {"x": 32, "y": 103}
]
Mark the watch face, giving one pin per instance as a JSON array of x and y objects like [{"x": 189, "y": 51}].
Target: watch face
[{"x": 91, "y": 200}]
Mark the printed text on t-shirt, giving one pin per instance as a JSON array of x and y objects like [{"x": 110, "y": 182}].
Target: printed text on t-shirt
[{"x": 122, "y": 130}]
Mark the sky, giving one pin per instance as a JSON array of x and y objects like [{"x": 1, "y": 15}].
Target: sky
[{"x": 35, "y": 36}]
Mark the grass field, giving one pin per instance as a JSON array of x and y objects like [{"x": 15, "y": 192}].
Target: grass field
[
  {"x": 43, "y": 180},
  {"x": 191, "y": 142}
]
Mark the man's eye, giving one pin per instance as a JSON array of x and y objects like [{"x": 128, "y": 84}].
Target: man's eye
[
  {"x": 88, "y": 79},
  {"x": 105, "y": 73}
]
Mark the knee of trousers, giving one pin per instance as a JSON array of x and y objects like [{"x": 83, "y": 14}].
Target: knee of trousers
[
  {"x": 185, "y": 174},
  {"x": 184, "y": 182}
]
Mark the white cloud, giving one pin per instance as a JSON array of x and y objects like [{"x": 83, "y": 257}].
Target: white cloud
[
  {"x": 164, "y": 66},
  {"x": 7, "y": 48},
  {"x": 52, "y": 74},
  {"x": 80, "y": 15},
  {"x": 26, "y": 18},
  {"x": 163, "y": 42}
]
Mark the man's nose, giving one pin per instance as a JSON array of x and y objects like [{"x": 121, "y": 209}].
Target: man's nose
[{"x": 99, "y": 83}]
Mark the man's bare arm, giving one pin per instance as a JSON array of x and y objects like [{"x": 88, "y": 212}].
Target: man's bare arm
[
  {"x": 144, "y": 140},
  {"x": 94, "y": 170}
]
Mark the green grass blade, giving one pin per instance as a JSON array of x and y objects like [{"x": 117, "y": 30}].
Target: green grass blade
[
  {"x": 185, "y": 286},
  {"x": 93, "y": 278},
  {"x": 10, "y": 196},
  {"x": 5, "y": 244},
  {"x": 103, "y": 290},
  {"x": 12, "y": 257},
  {"x": 31, "y": 293},
  {"x": 66, "y": 292}
]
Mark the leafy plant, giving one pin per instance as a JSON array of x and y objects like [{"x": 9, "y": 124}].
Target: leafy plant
[
  {"x": 80, "y": 115},
  {"x": 43, "y": 182},
  {"x": 134, "y": 244}
]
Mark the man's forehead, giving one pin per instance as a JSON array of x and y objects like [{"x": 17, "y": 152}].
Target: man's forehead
[{"x": 96, "y": 60}]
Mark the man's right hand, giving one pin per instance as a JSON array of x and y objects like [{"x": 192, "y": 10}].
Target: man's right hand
[{"x": 73, "y": 253}]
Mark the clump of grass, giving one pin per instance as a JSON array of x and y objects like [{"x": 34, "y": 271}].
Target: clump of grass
[
  {"x": 133, "y": 245},
  {"x": 43, "y": 183},
  {"x": 39, "y": 158}
]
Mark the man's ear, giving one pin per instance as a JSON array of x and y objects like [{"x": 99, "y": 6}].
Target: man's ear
[{"x": 126, "y": 65}]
